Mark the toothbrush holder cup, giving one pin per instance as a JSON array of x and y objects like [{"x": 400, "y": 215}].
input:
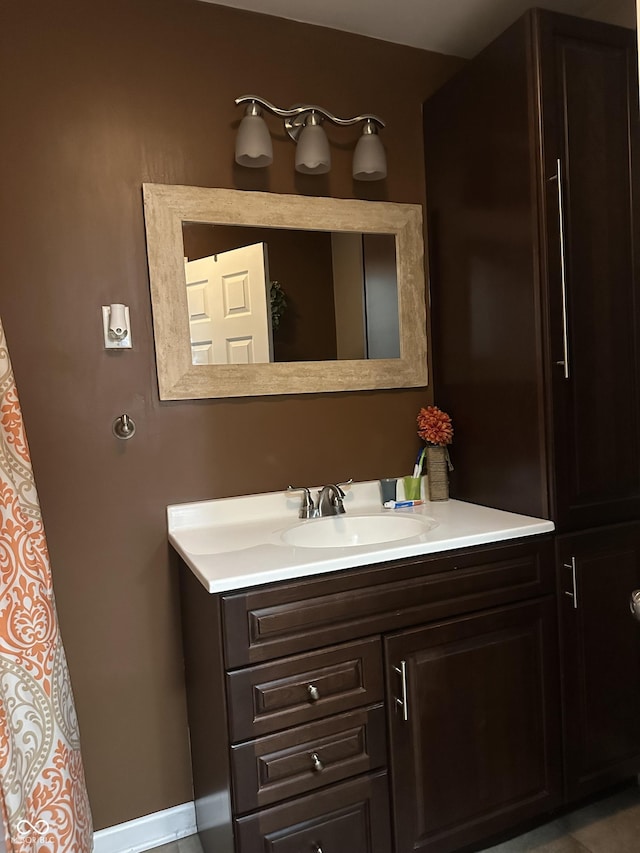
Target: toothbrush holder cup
[
  {"x": 412, "y": 488},
  {"x": 388, "y": 489}
]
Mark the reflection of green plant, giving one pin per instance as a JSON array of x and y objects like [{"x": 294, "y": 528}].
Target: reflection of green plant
[{"x": 278, "y": 304}]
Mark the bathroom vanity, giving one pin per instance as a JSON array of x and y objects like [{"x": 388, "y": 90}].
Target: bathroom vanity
[{"x": 367, "y": 697}]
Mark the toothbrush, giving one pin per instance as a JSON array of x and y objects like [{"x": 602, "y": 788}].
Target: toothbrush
[{"x": 417, "y": 468}]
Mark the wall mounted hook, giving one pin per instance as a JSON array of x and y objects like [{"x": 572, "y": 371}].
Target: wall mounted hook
[{"x": 124, "y": 427}]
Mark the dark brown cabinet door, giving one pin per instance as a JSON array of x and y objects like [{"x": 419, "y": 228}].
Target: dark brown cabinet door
[
  {"x": 589, "y": 87},
  {"x": 597, "y": 572},
  {"x": 474, "y": 725},
  {"x": 532, "y": 190}
]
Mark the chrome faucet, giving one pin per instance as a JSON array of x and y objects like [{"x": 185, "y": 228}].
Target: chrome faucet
[{"x": 330, "y": 500}]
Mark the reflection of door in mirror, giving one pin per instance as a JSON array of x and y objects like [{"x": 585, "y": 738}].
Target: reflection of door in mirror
[
  {"x": 229, "y": 308},
  {"x": 340, "y": 288}
]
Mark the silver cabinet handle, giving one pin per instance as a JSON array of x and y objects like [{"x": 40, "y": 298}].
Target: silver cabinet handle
[
  {"x": 634, "y": 603},
  {"x": 317, "y": 848},
  {"x": 314, "y": 693},
  {"x": 574, "y": 584},
  {"x": 403, "y": 703},
  {"x": 563, "y": 270},
  {"x": 317, "y": 764}
]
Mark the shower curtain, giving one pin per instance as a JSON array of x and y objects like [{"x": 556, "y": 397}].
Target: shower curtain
[{"x": 42, "y": 789}]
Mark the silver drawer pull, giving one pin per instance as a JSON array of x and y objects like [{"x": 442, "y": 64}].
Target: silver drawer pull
[
  {"x": 317, "y": 764},
  {"x": 316, "y": 848},
  {"x": 563, "y": 272},
  {"x": 314, "y": 693},
  {"x": 404, "y": 702},
  {"x": 573, "y": 595}
]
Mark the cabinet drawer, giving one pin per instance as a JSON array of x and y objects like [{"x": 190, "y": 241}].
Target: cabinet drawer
[
  {"x": 300, "y": 689},
  {"x": 270, "y": 622},
  {"x": 294, "y": 762},
  {"x": 351, "y": 817}
]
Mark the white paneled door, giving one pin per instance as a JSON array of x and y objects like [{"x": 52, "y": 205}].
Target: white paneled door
[{"x": 229, "y": 307}]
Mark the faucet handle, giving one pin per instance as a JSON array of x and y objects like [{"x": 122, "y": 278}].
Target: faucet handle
[
  {"x": 308, "y": 508},
  {"x": 345, "y": 483}
]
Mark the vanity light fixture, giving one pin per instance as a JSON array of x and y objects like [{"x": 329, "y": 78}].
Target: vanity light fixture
[{"x": 303, "y": 123}]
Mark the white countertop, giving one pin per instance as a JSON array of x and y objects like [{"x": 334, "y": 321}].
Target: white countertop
[{"x": 233, "y": 543}]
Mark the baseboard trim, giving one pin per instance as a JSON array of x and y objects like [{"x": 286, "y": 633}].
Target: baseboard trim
[{"x": 148, "y": 831}]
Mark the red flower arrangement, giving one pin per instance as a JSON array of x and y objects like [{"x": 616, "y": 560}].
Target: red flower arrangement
[{"x": 434, "y": 426}]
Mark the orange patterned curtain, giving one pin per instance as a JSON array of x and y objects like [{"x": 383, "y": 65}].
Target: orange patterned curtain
[{"x": 42, "y": 789}]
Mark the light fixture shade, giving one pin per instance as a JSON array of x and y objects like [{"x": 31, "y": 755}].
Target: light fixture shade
[
  {"x": 369, "y": 158},
  {"x": 253, "y": 143},
  {"x": 313, "y": 156}
]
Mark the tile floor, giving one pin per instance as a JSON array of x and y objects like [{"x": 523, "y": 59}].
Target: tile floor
[{"x": 611, "y": 825}]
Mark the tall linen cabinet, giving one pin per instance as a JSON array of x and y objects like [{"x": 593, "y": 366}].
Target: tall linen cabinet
[{"x": 532, "y": 196}]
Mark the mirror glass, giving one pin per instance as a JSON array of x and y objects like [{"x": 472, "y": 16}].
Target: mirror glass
[{"x": 259, "y": 293}]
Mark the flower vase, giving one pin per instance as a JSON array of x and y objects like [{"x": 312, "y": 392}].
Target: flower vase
[{"x": 437, "y": 473}]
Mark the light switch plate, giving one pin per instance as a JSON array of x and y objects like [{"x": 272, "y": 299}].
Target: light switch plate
[{"x": 112, "y": 343}]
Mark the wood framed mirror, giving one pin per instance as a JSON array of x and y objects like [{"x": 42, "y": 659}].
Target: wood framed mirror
[{"x": 349, "y": 284}]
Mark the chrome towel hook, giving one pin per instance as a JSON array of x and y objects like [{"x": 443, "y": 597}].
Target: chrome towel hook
[{"x": 124, "y": 427}]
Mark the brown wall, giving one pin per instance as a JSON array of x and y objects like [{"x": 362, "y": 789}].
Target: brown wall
[{"x": 97, "y": 98}]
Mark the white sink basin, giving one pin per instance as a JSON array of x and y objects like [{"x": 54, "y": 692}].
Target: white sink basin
[{"x": 345, "y": 531}]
